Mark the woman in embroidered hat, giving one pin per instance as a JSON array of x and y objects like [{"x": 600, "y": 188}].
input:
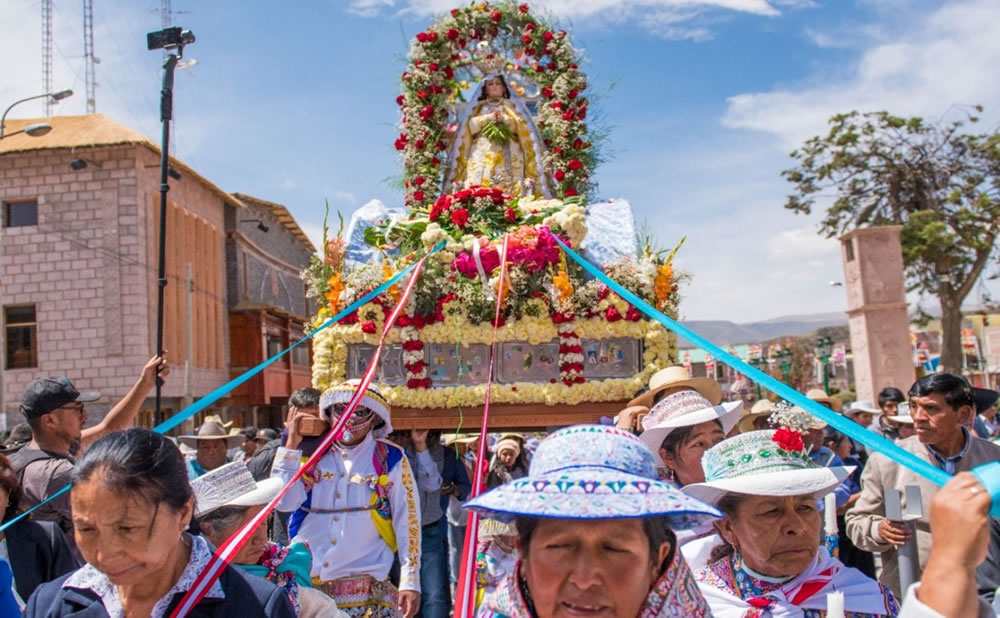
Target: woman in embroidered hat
[
  {"x": 679, "y": 429},
  {"x": 772, "y": 563},
  {"x": 358, "y": 508},
  {"x": 225, "y": 500},
  {"x": 595, "y": 532}
]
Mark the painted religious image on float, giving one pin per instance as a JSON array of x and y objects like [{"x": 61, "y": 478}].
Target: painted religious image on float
[{"x": 495, "y": 144}]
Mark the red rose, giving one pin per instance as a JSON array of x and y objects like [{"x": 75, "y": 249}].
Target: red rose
[
  {"x": 559, "y": 175},
  {"x": 452, "y": 34},
  {"x": 449, "y": 72},
  {"x": 417, "y": 63},
  {"x": 413, "y": 346},
  {"x": 570, "y": 192},
  {"x": 496, "y": 16},
  {"x": 400, "y": 100},
  {"x": 510, "y": 215},
  {"x": 575, "y": 164},
  {"x": 418, "y": 321},
  {"x": 432, "y": 36},
  {"x": 419, "y": 180},
  {"x": 440, "y": 145},
  {"x": 400, "y": 141},
  {"x": 402, "y": 321},
  {"x": 547, "y": 36},
  {"x": 419, "y": 144},
  {"x": 612, "y": 315},
  {"x": 582, "y": 113},
  {"x": 788, "y": 439},
  {"x": 461, "y": 43},
  {"x": 422, "y": 37},
  {"x": 556, "y": 105},
  {"x": 567, "y": 116},
  {"x": 633, "y": 315},
  {"x": 454, "y": 12},
  {"x": 418, "y": 196},
  {"x": 437, "y": 89},
  {"x": 539, "y": 68},
  {"x": 578, "y": 144},
  {"x": 499, "y": 322},
  {"x": 433, "y": 66},
  {"x": 427, "y": 112},
  {"x": 460, "y": 217},
  {"x": 422, "y": 94},
  {"x": 547, "y": 92},
  {"x": 368, "y": 327},
  {"x": 526, "y": 39},
  {"x": 573, "y": 93},
  {"x": 523, "y": 8},
  {"x": 557, "y": 150},
  {"x": 529, "y": 27}
]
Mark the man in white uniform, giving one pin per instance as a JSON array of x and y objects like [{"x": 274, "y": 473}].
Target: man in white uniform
[{"x": 356, "y": 509}]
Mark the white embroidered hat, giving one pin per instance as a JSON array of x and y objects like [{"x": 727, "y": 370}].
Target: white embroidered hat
[
  {"x": 231, "y": 485},
  {"x": 683, "y": 409}
]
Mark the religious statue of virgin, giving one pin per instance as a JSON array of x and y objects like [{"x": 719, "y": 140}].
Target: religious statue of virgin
[{"x": 497, "y": 144}]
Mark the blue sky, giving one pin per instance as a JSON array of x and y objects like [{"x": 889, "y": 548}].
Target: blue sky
[{"x": 294, "y": 103}]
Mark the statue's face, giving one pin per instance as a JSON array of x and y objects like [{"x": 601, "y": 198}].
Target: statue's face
[{"x": 494, "y": 88}]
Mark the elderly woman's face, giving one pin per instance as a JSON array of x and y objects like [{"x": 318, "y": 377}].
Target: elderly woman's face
[
  {"x": 777, "y": 536},
  {"x": 590, "y": 567},
  {"x": 250, "y": 553},
  {"x": 124, "y": 535}
]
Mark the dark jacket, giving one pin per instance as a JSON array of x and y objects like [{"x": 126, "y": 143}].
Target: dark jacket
[
  {"x": 38, "y": 554},
  {"x": 246, "y": 596},
  {"x": 261, "y": 462},
  {"x": 454, "y": 472}
]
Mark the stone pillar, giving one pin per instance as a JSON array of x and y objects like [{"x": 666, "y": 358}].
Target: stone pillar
[{"x": 876, "y": 308}]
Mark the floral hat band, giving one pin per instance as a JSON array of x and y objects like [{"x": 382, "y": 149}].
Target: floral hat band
[
  {"x": 677, "y": 404},
  {"x": 764, "y": 463}
]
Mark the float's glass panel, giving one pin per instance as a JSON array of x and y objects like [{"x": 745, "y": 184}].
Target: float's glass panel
[
  {"x": 523, "y": 362},
  {"x": 391, "y": 370},
  {"x": 443, "y": 363},
  {"x": 611, "y": 358}
]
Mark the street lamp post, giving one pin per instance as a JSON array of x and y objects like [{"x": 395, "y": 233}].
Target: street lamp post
[
  {"x": 37, "y": 129},
  {"x": 824, "y": 347},
  {"x": 785, "y": 363},
  {"x": 758, "y": 363}
]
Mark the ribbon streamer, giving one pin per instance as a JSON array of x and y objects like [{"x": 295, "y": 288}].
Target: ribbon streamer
[
  {"x": 227, "y": 551},
  {"x": 838, "y": 422},
  {"x": 465, "y": 598},
  {"x": 224, "y": 390}
]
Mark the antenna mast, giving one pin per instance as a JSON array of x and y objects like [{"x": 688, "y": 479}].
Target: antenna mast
[
  {"x": 47, "y": 53},
  {"x": 88, "y": 54}
]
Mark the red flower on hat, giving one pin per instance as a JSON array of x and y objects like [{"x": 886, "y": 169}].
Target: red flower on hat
[{"x": 789, "y": 439}]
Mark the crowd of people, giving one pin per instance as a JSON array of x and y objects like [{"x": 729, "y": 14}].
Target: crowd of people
[{"x": 681, "y": 505}]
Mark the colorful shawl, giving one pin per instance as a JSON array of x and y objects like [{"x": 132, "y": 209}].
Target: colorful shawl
[
  {"x": 732, "y": 592},
  {"x": 674, "y": 595},
  {"x": 286, "y": 567}
]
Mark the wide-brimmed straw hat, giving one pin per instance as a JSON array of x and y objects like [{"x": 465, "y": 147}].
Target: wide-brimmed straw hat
[
  {"x": 211, "y": 430},
  {"x": 592, "y": 472},
  {"x": 861, "y": 406},
  {"x": 451, "y": 439},
  {"x": 764, "y": 463},
  {"x": 231, "y": 485},
  {"x": 762, "y": 408},
  {"x": 678, "y": 376},
  {"x": 683, "y": 409},
  {"x": 902, "y": 415},
  {"x": 373, "y": 400},
  {"x": 819, "y": 395}
]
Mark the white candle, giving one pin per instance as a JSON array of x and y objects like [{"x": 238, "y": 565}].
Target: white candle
[
  {"x": 830, "y": 515},
  {"x": 835, "y": 604}
]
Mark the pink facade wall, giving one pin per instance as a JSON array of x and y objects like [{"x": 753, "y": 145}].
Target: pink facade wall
[{"x": 88, "y": 266}]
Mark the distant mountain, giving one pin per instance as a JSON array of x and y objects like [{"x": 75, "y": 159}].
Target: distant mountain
[{"x": 723, "y": 333}]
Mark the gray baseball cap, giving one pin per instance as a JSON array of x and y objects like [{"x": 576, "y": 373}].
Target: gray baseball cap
[{"x": 43, "y": 395}]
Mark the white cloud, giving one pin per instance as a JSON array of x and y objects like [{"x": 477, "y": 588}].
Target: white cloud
[
  {"x": 345, "y": 196},
  {"x": 947, "y": 57},
  {"x": 800, "y": 244}
]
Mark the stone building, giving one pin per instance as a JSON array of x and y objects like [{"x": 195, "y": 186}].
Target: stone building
[{"x": 78, "y": 265}]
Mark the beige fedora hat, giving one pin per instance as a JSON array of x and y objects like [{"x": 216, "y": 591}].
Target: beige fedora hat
[
  {"x": 762, "y": 408},
  {"x": 675, "y": 376},
  {"x": 819, "y": 395},
  {"x": 211, "y": 430}
]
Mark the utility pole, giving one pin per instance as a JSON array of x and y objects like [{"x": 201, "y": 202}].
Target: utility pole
[
  {"x": 88, "y": 55},
  {"x": 47, "y": 53}
]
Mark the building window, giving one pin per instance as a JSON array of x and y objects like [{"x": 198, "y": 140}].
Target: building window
[
  {"x": 20, "y": 214},
  {"x": 300, "y": 355},
  {"x": 274, "y": 345},
  {"x": 20, "y": 335}
]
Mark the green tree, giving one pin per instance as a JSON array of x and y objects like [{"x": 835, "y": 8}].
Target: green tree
[{"x": 939, "y": 182}]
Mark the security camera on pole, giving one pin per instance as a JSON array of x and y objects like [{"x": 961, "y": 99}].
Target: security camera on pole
[{"x": 173, "y": 38}]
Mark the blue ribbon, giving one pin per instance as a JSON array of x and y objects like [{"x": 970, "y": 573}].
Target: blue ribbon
[
  {"x": 838, "y": 422},
  {"x": 224, "y": 390}
]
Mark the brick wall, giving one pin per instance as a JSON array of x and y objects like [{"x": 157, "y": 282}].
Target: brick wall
[{"x": 89, "y": 267}]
